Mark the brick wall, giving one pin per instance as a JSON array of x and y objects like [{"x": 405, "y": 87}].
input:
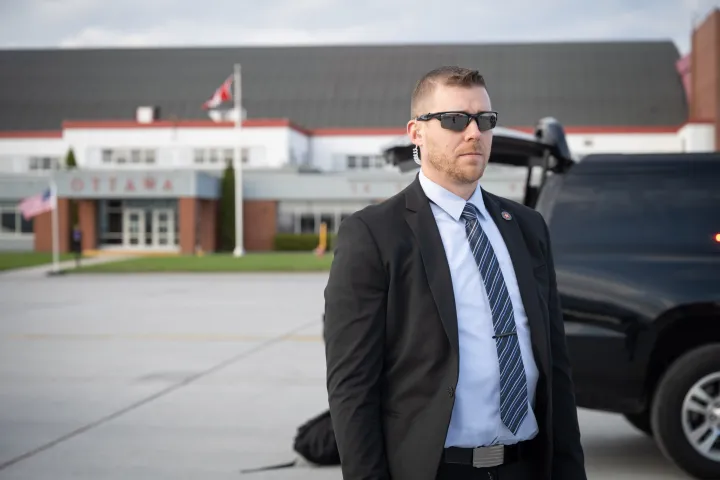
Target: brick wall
[
  {"x": 259, "y": 224},
  {"x": 87, "y": 218},
  {"x": 208, "y": 220},
  {"x": 705, "y": 67},
  {"x": 42, "y": 228},
  {"x": 197, "y": 224},
  {"x": 187, "y": 217}
]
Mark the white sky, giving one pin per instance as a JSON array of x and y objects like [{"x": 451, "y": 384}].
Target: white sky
[{"x": 138, "y": 23}]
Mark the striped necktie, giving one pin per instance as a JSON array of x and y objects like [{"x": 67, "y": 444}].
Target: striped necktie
[{"x": 513, "y": 384}]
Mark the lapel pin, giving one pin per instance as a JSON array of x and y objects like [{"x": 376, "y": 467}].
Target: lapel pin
[{"x": 506, "y": 215}]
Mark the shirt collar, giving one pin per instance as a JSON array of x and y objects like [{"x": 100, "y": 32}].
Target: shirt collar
[{"x": 452, "y": 204}]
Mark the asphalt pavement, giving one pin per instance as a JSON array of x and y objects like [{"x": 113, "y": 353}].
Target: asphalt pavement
[{"x": 193, "y": 376}]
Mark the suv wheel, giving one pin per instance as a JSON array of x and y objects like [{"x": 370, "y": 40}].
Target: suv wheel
[
  {"x": 686, "y": 413},
  {"x": 641, "y": 421}
]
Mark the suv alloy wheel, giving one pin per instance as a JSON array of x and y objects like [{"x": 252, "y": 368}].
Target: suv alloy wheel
[{"x": 686, "y": 412}]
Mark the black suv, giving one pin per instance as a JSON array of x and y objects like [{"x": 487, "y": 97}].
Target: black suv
[
  {"x": 637, "y": 250},
  {"x": 636, "y": 240}
]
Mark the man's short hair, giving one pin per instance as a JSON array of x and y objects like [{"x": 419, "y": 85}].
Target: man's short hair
[{"x": 450, "y": 76}]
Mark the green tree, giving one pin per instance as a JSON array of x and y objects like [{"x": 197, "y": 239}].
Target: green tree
[
  {"x": 226, "y": 211},
  {"x": 70, "y": 162}
]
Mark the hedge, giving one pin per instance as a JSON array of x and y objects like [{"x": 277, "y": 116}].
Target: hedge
[{"x": 299, "y": 242}]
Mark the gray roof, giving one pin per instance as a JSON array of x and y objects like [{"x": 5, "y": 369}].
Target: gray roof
[{"x": 580, "y": 84}]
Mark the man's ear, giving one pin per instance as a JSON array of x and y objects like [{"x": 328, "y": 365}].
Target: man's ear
[{"x": 415, "y": 133}]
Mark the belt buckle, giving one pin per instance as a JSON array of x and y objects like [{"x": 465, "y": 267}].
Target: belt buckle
[{"x": 487, "y": 457}]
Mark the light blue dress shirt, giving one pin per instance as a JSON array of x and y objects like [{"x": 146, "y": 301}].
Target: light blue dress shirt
[{"x": 475, "y": 418}]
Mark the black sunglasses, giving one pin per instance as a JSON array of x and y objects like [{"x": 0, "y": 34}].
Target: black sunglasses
[{"x": 458, "y": 121}]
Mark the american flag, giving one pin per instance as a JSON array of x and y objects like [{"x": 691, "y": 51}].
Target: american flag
[{"x": 37, "y": 204}]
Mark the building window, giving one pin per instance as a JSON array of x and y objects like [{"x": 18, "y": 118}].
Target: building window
[
  {"x": 44, "y": 163},
  {"x": 306, "y": 217},
  {"x": 364, "y": 162},
  {"x": 136, "y": 156},
  {"x": 219, "y": 156},
  {"x": 307, "y": 223},
  {"x": 12, "y": 222},
  {"x": 285, "y": 222},
  {"x": 110, "y": 213}
]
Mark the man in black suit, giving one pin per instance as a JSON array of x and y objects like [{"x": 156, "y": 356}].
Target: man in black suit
[{"x": 445, "y": 345}]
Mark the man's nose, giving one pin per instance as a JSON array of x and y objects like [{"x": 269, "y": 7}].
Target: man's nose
[{"x": 472, "y": 132}]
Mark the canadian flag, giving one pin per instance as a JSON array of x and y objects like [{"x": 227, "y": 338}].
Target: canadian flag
[{"x": 222, "y": 94}]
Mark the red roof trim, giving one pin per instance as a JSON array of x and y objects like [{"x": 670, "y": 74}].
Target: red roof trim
[
  {"x": 319, "y": 132},
  {"x": 594, "y": 130},
  {"x": 330, "y": 132},
  {"x": 22, "y": 134},
  {"x": 249, "y": 123},
  {"x": 568, "y": 130}
]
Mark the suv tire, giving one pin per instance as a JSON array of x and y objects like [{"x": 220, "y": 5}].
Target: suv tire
[
  {"x": 641, "y": 421},
  {"x": 672, "y": 420}
]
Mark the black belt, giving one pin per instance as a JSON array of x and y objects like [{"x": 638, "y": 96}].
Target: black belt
[{"x": 483, "y": 457}]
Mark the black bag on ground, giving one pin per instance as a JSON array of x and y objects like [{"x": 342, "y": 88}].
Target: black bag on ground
[{"x": 315, "y": 441}]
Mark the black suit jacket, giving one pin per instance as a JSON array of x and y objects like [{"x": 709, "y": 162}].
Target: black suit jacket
[{"x": 391, "y": 340}]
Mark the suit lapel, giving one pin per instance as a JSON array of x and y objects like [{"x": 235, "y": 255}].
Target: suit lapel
[
  {"x": 420, "y": 218},
  {"x": 523, "y": 265}
]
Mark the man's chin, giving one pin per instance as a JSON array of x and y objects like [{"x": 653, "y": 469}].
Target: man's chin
[
  {"x": 474, "y": 174},
  {"x": 468, "y": 177}
]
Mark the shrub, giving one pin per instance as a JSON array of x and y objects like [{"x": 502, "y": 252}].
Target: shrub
[
  {"x": 226, "y": 212},
  {"x": 299, "y": 242}
]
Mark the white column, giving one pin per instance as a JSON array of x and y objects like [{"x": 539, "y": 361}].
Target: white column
[
  {"x": 239, "y": 247},
  {"x": 55, "y": 225}
]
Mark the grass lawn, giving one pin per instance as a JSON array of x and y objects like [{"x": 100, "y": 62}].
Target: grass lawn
[
  {"x": 251, "y": 262},
  {"x": 12, "y": 260}
]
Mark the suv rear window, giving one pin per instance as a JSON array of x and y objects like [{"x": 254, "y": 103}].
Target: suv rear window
[{"x": 668, "y": 211}]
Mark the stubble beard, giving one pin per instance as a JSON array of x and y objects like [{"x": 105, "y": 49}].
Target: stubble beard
[{"x": 445, "y": 166}]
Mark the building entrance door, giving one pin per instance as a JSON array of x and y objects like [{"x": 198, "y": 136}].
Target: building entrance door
[
  {"x": 163, "y": 227},
  {"x": 133, "y": 228}
]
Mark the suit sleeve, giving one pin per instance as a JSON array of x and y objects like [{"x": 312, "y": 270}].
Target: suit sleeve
[
  {"x": 568, "y": 458},
  {"x": 355, "y": 300}
]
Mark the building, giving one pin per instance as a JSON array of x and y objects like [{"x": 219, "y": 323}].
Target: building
[{"x": 317, "y": 122}]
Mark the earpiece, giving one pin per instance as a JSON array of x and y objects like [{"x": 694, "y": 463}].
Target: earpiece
[{"x": 416, "y": 154}]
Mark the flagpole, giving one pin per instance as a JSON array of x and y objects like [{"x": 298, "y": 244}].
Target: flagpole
[
  {"x": 55, "y": 233},
  {"x": 239, "y": 248}
]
